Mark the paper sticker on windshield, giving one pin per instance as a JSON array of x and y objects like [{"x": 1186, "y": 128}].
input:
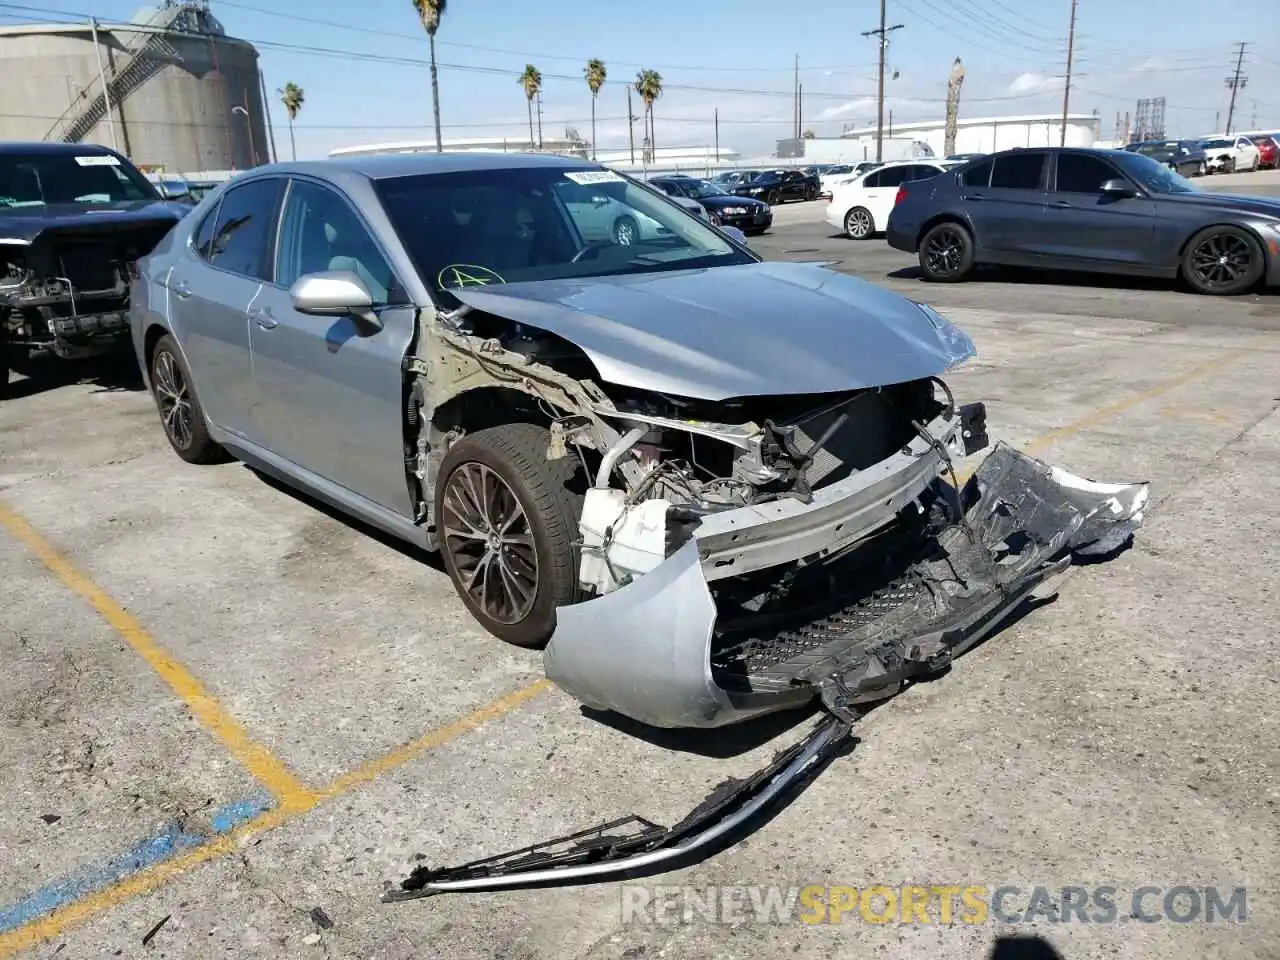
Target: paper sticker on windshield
[
  {"x": 588, "y": 178},
  {"x": 105, "y": 160}
]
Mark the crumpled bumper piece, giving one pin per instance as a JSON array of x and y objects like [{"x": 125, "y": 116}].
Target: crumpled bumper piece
[
  {"x": 632, "y": 844},
  {"x": 646, "y": 650}
]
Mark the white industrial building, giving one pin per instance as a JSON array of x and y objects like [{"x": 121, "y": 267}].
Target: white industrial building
[{"x": 984, "y": 134}]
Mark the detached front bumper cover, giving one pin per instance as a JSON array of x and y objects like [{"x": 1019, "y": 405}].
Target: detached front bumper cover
[{"x": 1017, "y": 525}]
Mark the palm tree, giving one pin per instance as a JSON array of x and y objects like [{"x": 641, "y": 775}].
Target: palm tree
[
  {"x": 430, "y": 12},
  {"x": 649, "y": 86},
  {"x": 595, "y": 74},
  {"x": 531, "y": 80},
  {"x": 291, "y": 95}
]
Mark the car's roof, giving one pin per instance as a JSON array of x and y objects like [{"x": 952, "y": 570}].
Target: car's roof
[
  {"x": 44, "y": 147},
  {"x": 386, "y": 166}
]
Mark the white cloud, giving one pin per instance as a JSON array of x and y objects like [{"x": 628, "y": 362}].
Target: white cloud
[
  {"x": 1032, "y": 82},
  {"x": 848, "y": 108},
  {"x": 1152, "y": 65}
]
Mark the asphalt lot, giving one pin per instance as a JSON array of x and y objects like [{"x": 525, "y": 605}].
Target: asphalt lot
[{"x": 227, "y": 707}]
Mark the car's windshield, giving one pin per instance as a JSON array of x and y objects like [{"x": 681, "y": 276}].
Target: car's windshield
[
  {"x": 34, "y": 180},
  {"x": 702, "y": 188},
  {"x": 1155, "y": 149},
  {"x": 1153, "y": 176},
  {"x": 1216, "y": 144},
  {"x": 541, "y": 223}
]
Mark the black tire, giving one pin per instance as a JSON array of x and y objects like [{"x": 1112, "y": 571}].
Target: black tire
[
  {"x": 811, "y": 193},
  {"x": 859, "y": 224},
  {"x": 772, "y": 198},
  {"x": 946, "y": 252},
  {"x": 626, "y": 232},
  {"x": 1222, "y": 261},
  {"x": 4, "y": 368},
  {"x": 548, "y": 492},
  {"x": 181, "y": 416}
]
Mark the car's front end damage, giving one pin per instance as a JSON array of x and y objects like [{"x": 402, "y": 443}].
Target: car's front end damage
[
  {"x": 742, "y": 554},
  {"x": 65, "y": 276}
]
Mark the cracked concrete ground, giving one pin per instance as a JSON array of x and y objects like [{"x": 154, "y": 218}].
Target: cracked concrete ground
[{"x": 1124, "y": 735}]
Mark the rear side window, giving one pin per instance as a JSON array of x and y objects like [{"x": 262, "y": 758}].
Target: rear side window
[
  {"x": 894, "y": 176},
  {"x": 203, "y": 239},
  {"x": 1081, "y": 173},
  {"x": 1018, "y": 171},
  {"x": 243, "y": 234},
  {"x": 979, "y": 175}
]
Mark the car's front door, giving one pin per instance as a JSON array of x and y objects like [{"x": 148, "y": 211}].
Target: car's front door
[
  {"x": 1084, "y": 224},
  {"x": 212, "y": 287},
  {"x": 330, "y": 391},
  {"x": 1005, "y": 199}
]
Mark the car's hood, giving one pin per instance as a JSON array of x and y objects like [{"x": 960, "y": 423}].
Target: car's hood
[
  {"x": 24, "y": 224},
  {"x": 757, "y": 329},
  {"x": 1247, "y": 202}
]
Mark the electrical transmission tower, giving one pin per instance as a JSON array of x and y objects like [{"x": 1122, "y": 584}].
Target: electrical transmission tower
[
  {"x": 1236, "y": 82},
  {"x": 1149, "y": 119},
  {"x": 883, "y": 33}
]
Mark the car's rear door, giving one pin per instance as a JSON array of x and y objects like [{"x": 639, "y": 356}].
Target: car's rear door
[
  {"x": 211, "y": 289},
  {"x": 1089, "y": 227},
  {"x": 330, "y": 393},
  {"x": 1005, "y": 200},
  {"x": 880, "y": 189}
]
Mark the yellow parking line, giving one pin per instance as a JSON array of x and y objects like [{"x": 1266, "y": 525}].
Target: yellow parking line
[
  {"x": 149, "y": 879},
  {"x": 269, "y": 770}
]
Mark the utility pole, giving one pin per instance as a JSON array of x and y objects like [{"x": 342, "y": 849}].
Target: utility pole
[
  {"x": 883, "y": 33},
  {"x": 800, "y": 109},
  {"x": 795, "y": 101},
  {"x": 1237, "y": 81},
  {"x": 1066, "y": 89},
  {"x": 539, "y": 119},
  {"x": 717, "y": 126},
  {"x": 631, "y": 126}
]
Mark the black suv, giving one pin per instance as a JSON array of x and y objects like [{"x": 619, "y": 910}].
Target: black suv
[{"x": 748, "y": 215}]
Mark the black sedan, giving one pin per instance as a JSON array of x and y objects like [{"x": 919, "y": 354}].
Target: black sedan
[
  {"x": 1108, "y": 211},
  {"x": 778, "y": 186},
  {"x": 748, "y": 215},
  {"x": 1185, "y": 157}
]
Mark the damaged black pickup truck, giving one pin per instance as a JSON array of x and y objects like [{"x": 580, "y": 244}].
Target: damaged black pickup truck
[{"x": 74, "y": 218}]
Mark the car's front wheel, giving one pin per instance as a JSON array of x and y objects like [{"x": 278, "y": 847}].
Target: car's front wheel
[
  {"x": 506, "y": 521},
  {"x": 626, "y": 231},
  {"x": 946, "y": 252},
  {"x": 1222, "y": 261},
  {"x": 180, "y": 412},
  {"x": 858, "y": 223}
]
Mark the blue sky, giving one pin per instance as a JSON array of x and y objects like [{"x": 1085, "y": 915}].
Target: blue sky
[{"x": 737, "y": 56}]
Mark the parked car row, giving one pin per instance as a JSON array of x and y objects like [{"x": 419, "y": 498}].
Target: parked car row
[
  {"x": 1112, "y": 211},
  {"x": 770, "y": 186}
]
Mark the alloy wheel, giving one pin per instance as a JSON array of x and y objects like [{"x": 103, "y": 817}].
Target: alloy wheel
[
  {"x": 490, "y": 540},
  {"x": 944, "y": 252},
  {"x": 624, "y": 233},
  {"x": 1221, "y": 260},
  {"x": 173, "y": 396},
  {"x": 858, "y": 223}
]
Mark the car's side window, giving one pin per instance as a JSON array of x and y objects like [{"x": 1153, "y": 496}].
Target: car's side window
[
  {"x": 979, "y": 175},
  {"x": 203, "y": 239},
  {"x": 319, "y": 231},
  {"x": 1081, "y": 173},
  {"x": 242, "y": 236},
  {"x": 872, "y": 179},
  {"x": 1018, "y": 171},
  {"x": 894, "y": 176}
]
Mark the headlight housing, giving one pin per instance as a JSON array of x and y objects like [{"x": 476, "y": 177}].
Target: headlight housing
[{"x": 733, "y": 211}]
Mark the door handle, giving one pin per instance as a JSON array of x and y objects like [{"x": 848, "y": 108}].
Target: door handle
[
  {"x": 262, "y": 317},
  {"x": 975, "y": 196},
  {"x": 181, "y": 289},
  {"x": 1061, "y": 203}
]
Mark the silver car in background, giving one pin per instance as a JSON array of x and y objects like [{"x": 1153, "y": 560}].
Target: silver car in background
[{"x": 709, "y": 486}]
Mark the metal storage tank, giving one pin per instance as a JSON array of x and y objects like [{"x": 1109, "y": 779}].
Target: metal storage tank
[{"x": 183, "y": 95}]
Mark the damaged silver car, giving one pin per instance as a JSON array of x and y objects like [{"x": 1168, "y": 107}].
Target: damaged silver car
[{"x": 709, "y": 486}]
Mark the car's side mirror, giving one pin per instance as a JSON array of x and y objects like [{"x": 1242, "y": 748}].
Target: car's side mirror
[
  {"x": 175, "y": 191},
  {"x": 335, "y": 293},
  {"x": 1119, "y": 188},
  {"x": 734, "y": 234}
]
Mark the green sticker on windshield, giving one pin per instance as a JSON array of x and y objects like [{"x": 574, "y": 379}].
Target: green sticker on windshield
[{"x": 466, "y": 275}]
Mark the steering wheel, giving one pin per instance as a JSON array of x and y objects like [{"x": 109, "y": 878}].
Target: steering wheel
[{"x": 595, "y": 246}]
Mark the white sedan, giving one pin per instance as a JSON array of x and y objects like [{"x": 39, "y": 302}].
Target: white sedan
[
  {"x": 861, "y": 207},
  {"x": 841, "y": 174}
]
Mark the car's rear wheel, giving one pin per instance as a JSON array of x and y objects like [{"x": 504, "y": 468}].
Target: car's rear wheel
[
  {"x": 506, "y": 519},
  {"x": 772, "y": 198},
  {"x": 1200, "y": 169},
  {"x": 946, "y": 252},
  {"x": 1222, "y": 261},
  {"x": 181, "y": 415},
  {"x": 4, "y": 367},
  {"x": 859, "y": 224},
  {"x": 625, "y": 231}
]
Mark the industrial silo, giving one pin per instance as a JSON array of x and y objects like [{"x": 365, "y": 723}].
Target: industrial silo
[{"x": 180, "y": 95}]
